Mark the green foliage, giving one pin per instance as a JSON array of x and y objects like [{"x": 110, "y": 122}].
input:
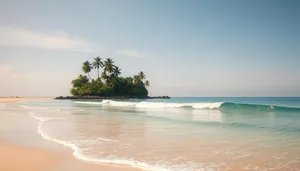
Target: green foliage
[
  {"x": 80, "y": 81},
  {"x": 97, "y": 64},
  {"x": 147, "y": 83},
  {"x": 142, "y": 75},
  {"x": 74, "y": 92},
  {"x": 86, "y": 68},
  {"x": 110, "y": 83},
  {"x": 116, "y": 71},
  {"x": 109, "y": 65}
]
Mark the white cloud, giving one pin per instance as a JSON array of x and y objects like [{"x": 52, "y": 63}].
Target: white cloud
[
  {"x": 33, "y": 83},
  {"x": 132, "y": 53},
  {"x": 23, "y": 37}
]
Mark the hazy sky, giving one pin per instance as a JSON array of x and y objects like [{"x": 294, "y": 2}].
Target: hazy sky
[{"x": 186, "y": 48}]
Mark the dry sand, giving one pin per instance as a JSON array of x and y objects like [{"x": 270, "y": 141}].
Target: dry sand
[
  {"x": 17, "y": 158},
  {"x": 14, "y": 158}
]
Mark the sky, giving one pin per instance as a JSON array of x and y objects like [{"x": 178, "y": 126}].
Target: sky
[{"x": 186, "y": 48}]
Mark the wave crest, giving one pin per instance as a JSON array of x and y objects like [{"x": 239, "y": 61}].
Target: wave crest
[
  {"x": 154, "y": 105},
  {"x": 211, "y": 105}
]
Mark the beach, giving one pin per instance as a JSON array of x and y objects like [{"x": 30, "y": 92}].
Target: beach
[
  {"x": 178, "y": 134},
  {"x": 20, "y": 99},
  {"x": 135, "y": 85},
  {"x": 15, "y": 157}
]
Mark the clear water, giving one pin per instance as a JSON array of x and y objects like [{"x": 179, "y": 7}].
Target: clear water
[{"x": 178, "y": 133}]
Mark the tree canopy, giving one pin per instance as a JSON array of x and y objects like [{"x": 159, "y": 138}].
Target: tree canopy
[{"x": 110, "y": 83}]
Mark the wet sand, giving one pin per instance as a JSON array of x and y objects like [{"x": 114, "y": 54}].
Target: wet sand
[{"x": 16, "y": 158}]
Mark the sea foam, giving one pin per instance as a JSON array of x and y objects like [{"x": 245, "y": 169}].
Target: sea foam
[
  {"x": 79, "y": 154},
  {"x": 155, "y": 105},
  {"x": 199, "y": 105}
]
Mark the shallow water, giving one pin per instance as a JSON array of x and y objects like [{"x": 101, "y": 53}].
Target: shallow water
[{"x": 177, "y": 134}]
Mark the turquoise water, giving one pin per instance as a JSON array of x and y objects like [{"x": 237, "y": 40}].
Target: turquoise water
[{"x": 178, "y": 133}]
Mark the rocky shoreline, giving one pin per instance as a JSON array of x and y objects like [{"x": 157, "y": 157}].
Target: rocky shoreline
[{"x": 109, "y": 97}]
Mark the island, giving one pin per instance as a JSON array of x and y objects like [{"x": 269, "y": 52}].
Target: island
[{"x": 109, "y": 84}]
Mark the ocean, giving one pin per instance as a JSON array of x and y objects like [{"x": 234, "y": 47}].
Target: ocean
[{"x": 178, "y": 134}]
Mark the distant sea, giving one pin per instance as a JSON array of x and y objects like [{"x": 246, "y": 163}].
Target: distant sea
[{"x": 180, "y": 134}]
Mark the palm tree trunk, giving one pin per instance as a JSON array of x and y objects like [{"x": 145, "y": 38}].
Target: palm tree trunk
[
  {"x": 89, "y": 76},
  {"x": 99, "y": 80}
]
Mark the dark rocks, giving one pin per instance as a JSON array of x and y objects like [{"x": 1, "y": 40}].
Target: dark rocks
[{"x": 109, "y": 97}]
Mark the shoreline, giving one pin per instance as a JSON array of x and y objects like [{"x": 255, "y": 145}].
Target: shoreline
[{"x": 16, "y": 157}]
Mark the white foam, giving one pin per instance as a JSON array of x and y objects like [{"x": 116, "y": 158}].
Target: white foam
[
  {"x": 157, "y": 105},
  {"x": 106, "y": 101},
  {"x": 78, "y": 153},
  {"x": 118, "y": 103},
  {"x": 179, "y": 105},
  {"x": 216, "y": 105},
  {"x": 43, "y": 119},
  {"x": 93, "y": 103}
]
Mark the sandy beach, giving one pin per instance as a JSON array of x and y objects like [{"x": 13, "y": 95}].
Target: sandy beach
[
  {"x": 56, "y": 135},
  {"x": 15, "y": 158},
  {"x": 19, "y": 99}
]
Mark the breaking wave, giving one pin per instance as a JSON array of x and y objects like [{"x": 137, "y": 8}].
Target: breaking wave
[{"x": 212, "y": 105}]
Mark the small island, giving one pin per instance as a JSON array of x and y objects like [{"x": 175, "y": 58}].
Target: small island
[{"x": 109, "y": 84}]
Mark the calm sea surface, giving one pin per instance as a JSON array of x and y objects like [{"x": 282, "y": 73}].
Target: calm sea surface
[{"x": 182, "y": 134}]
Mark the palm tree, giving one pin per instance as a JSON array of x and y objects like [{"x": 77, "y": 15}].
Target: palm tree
[
  {"x": 137, "y": 80},
  {"x": 86, "y": 68},
  {"x": 97, "y": 64},
  {"x": 142, "y": 75},
  {"x": 104, "y": 76},
  {"x": 129, "y": 80},
  {"x": 108, "y": 65},
  {"x": 80, "y": 81},
  {"x": 117, "y": 71},
  {"x": 147, "y": 83},
  {"x": 112, "y": 82}
]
